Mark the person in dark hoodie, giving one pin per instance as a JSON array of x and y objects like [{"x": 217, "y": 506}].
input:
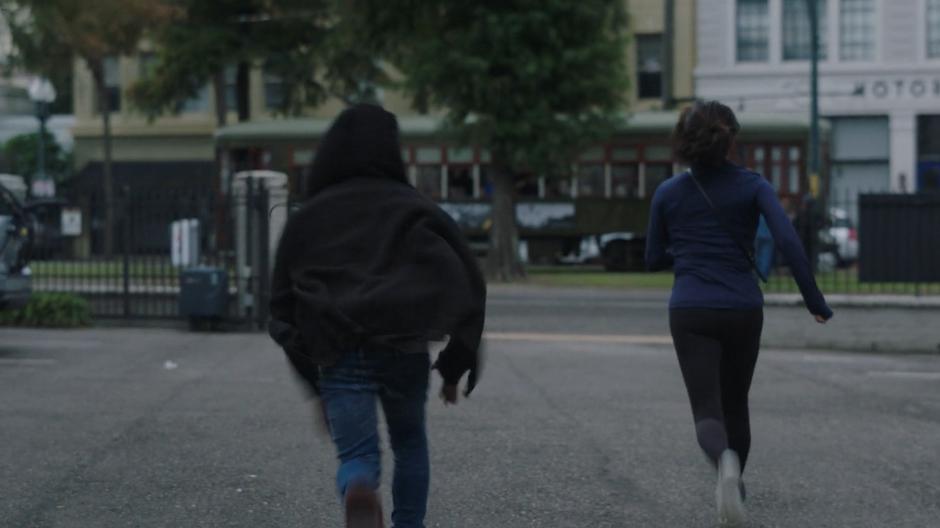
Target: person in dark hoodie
[{"x": 369, "y": 272}]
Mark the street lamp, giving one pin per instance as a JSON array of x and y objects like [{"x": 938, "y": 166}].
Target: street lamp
[
  {"x": 42, "y": 93},
  {"x": 812, "y": 6}
]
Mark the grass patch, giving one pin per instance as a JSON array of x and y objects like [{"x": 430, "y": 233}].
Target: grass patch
[
  {"x": 138, "y": 268},
  {"x": 596, "y": 277},
  {"x": 841, "y": 281},
  {"x": 845, "y": 281}
]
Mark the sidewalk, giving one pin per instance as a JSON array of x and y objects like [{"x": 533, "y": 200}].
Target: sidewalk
[
  {"x": 861, "y": 323},
  {"x": 836, "y": 300}
]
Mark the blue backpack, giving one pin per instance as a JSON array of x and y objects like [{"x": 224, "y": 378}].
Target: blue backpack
[
  {"x": 761, "y": 253},
  {"x": 763, "y": 250}
]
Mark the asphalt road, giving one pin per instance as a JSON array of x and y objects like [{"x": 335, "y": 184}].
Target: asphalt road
[{"x": 581, "y": 420}]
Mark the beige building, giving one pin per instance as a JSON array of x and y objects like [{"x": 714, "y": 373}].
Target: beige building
[
  {"x": 184, "y": 143},
  {"x": 647, "y": 56}
]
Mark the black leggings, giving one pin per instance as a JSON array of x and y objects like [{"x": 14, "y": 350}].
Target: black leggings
[{"x": 717, "y": 352}]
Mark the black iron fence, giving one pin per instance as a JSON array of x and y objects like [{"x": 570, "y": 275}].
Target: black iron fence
[
  {"x": 853, "y": 233},
  {"x": 156, "y": 236},
  {"x": 141, "y": 277}
]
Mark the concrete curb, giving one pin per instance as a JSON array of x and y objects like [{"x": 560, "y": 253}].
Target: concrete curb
[
  {"x": 931, "y": 302},
  {"x": 839, "y": 300}
]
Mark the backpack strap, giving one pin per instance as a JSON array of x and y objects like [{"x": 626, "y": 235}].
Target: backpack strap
[{"x": 748, "y": 253}]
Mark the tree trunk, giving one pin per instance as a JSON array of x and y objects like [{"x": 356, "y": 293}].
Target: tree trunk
[
  {"x": 221, "y": 104},
  {"x": 503, "y": 262},
  {"x": 104, "y": 107},
  {"x": 668, "y": 55},
  {"x": 243, "y": 91}
]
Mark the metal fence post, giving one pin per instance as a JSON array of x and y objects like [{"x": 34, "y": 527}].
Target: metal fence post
[
  {"x": 249, "y": 248},
  {"x": 126, "y": 250},
  {"x": 263, "y": 270}
]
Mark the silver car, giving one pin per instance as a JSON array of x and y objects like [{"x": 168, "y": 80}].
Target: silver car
[{"x": 844, "y": 236}]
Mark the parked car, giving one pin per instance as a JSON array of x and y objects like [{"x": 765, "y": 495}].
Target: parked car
[
  {"x": 48, "y": 240},
  {"x": 15, "y": 245},
  {"x": 620, "y": 251},
  {"x": 844, "y": 236}
]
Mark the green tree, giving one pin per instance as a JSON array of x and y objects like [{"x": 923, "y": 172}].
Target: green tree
[
  {"x": 299, "y": 41},
  {"x": 534, "y": 81},
  {"x": 40, "y": 54},
  {"x": 20, "y": 154},
  {"x": 93, "y": 32}
]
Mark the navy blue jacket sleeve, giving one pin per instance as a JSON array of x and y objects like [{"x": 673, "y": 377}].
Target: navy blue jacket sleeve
[
  {"x": 789, "y": 245},
  {"x": 658, "y": 256}
]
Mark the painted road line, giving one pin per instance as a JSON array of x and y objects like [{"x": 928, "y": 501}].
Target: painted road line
[
  {"x": 619, "y": 339},
  {"x": 906, "y": 374},
  {"x": 27, "y": 362}
]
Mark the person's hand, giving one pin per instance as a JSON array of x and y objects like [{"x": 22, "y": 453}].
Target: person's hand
[
  {"x": 449, "y": 394},
  {"x": 820, "y": 319}
]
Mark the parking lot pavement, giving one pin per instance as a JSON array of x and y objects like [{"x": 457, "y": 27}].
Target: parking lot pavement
[{"x": 131, "y": 427}]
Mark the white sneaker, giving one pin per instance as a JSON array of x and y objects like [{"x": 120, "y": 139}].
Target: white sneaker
[{"x": 728, "y": 492}]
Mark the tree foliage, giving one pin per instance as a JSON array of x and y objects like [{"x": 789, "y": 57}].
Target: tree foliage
[
  {"x": 20, "y": 154},
  {"x": 532, "y": 80},
  {"x": 93, "y": 31},
  {"x": 299, "y": 41},
  {"x": 38, "y": 53}
]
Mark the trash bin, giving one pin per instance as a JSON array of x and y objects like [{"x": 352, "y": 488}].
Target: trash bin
[{"x": 203, "y": 295}]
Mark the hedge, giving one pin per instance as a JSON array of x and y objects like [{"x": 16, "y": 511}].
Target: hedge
[{"x": 53, "y": 310}]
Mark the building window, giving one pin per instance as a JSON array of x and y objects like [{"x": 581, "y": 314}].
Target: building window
[
  {"x": 649, "y": 50},
  {"x": 274, "y": 92},
  {"x": 796, "y": 29},
  {"x": 656, "y": 174},
  {"x": 624, "y": 180},
  {"x": 198, "y": 103},
  {"x": 558, "y": 187},
  {"x": 624, "y": 172},
  {"x": 459, "y": 182},
  {"x": 147, "y": 64},
  {"x": 796, "y": 162},
  {"x": 591, "y": 180},
  {"x": 429, "y": 181},
  {"x": 112, "y": 85},
  {"x": 857, "y": 30},
  {"x": 933, "y": 29},
  {"x": 429, "y": 172},
  {"x": 928, "y": 138},
  {"x": 527, "y": 186},
  {"x": 753, "y": 31},
  {"x": 231, "y": 87},
  {"x": 928, "y": 154}
]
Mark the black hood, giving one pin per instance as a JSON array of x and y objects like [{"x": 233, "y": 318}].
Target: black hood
[{"x": 362, "y": 142}]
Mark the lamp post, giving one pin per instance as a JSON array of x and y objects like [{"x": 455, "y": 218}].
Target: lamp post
[
  {"x": 42, "y": 93},
  {"x": 812, "y": 5},
  {"x": 814, "y": 179}
]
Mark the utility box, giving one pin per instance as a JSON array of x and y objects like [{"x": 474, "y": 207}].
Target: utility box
[
  {"x": 203, "y": 294},
  {"x": 184, "y": 242}
]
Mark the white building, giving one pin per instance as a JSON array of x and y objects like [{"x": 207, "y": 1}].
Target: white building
[{"x": 879, "y": 79}]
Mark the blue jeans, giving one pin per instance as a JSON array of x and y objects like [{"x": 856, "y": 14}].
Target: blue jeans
[{"x": 400, "y": 382}]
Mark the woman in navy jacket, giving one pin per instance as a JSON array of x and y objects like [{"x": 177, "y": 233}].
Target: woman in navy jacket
[{"x": 716, "y": 308}]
